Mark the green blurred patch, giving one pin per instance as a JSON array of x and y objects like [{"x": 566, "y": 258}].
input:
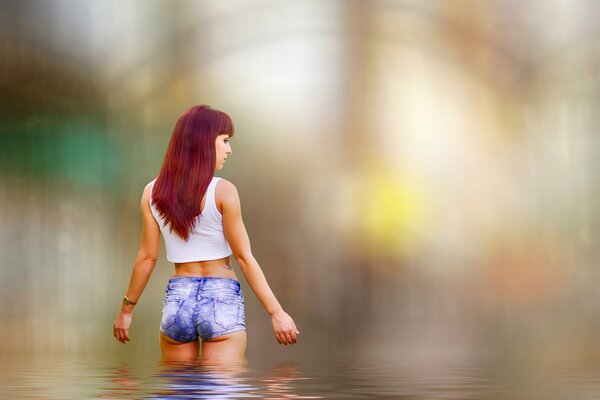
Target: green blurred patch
[{"x": 79, "y": 152}]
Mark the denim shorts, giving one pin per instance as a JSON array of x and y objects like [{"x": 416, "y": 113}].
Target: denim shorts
[{"x": 204, "y": 307}]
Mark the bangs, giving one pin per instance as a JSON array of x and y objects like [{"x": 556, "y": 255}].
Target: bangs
[{"x": 226, "y": 125}]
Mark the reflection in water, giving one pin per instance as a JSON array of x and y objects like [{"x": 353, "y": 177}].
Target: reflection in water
[
  {"x": 209, "y": 380},
  {"x": 125, "y": 384},
  {"x": 349, "y": 380},
  {"x": 202, "y": 380},
  {"x": 283, "y": 380}
]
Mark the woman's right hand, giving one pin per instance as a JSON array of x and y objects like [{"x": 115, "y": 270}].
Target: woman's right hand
[
  {"x": 121, "y": 326},
  {"x": 284, "y": 328}
]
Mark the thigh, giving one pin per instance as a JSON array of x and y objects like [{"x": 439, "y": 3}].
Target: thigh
[
  {"x": 230, "y": 346},
  {"x": 173, "y": 350}
]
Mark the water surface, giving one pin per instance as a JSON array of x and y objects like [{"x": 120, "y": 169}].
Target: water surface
[{"x": 350, "y": 379}]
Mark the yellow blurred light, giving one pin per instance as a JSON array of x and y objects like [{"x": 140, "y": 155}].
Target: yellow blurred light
[{"x": 392, "y": 213}]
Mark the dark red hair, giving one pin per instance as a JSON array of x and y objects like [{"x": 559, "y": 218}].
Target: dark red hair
[{"x": 189, "y": 166}]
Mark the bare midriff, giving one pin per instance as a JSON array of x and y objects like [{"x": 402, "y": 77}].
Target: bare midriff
[{"x": 220, "y": 268}]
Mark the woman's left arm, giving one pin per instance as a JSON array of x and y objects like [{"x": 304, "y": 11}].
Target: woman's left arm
[{"x": 142, "y": 268}]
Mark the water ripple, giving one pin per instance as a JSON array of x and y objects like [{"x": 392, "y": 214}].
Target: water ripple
[{"x": 353, "y": 379}]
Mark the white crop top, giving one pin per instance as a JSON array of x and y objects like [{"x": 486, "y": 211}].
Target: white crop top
[{"x": 206, "y": 240}]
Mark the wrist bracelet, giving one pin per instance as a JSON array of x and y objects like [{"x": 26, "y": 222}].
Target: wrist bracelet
[{"x": 127, "y": 301}]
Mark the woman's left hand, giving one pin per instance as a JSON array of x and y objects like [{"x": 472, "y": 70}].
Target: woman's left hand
[
  {"x": 121, "y": 327},
  {"x": 284, "y": 328}
]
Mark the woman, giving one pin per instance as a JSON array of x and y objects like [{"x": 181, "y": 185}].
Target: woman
[{"x": 203, "y": 298}]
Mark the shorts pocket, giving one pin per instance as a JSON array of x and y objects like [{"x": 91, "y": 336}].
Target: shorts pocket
[
  {"x": 170, "y": 310},
  {"x": 226, "y": 312}
]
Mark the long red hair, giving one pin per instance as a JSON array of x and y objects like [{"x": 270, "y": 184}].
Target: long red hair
[{"x": 189, "y": 166}]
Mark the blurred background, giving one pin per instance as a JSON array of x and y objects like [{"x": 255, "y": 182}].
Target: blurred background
[{"x": 417, "y": 177}]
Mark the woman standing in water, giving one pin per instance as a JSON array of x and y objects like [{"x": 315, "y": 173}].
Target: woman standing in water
[{"x": 199, "y": 216}]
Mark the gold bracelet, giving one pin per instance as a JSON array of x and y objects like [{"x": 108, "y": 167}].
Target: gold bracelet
[{"x": 127, "y": 301}]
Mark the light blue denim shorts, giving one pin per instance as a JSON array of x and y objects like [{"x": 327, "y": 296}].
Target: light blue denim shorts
[{"x": 204, "y": 307}]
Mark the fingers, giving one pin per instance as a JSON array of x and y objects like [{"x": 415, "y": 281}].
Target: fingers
[
  {"x": 290, "y": 337},
  {"x": 279, "y": 338},
  {"x": 118, "y": 335},
  {"x": 122, "y": 335},
  {"x": 286, "y": 337}
]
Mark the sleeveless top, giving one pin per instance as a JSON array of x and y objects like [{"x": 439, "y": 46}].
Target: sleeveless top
[{"x": 206, "y": 240}]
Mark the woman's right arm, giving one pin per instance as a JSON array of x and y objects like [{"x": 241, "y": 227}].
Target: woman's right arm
[
  {"x": 235, "y": 232},
  {"x": 143, "y": 266}
]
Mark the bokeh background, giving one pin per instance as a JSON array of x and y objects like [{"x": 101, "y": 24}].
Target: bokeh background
[{"x": 419, "y": 179}]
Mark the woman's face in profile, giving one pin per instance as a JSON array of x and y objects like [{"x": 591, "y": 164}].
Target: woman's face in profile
[{"x": 223, "y": 149}]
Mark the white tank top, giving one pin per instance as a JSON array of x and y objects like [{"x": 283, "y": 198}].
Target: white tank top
[{"x": 206, "y": 240}]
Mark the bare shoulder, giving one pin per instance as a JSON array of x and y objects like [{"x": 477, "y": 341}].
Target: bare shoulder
[
  {"x": 147, "y": 189},
  {"x": 225, "y": 188},
  {"x": 226, "y": 193},
  {"x": 146, "y": 194}
]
